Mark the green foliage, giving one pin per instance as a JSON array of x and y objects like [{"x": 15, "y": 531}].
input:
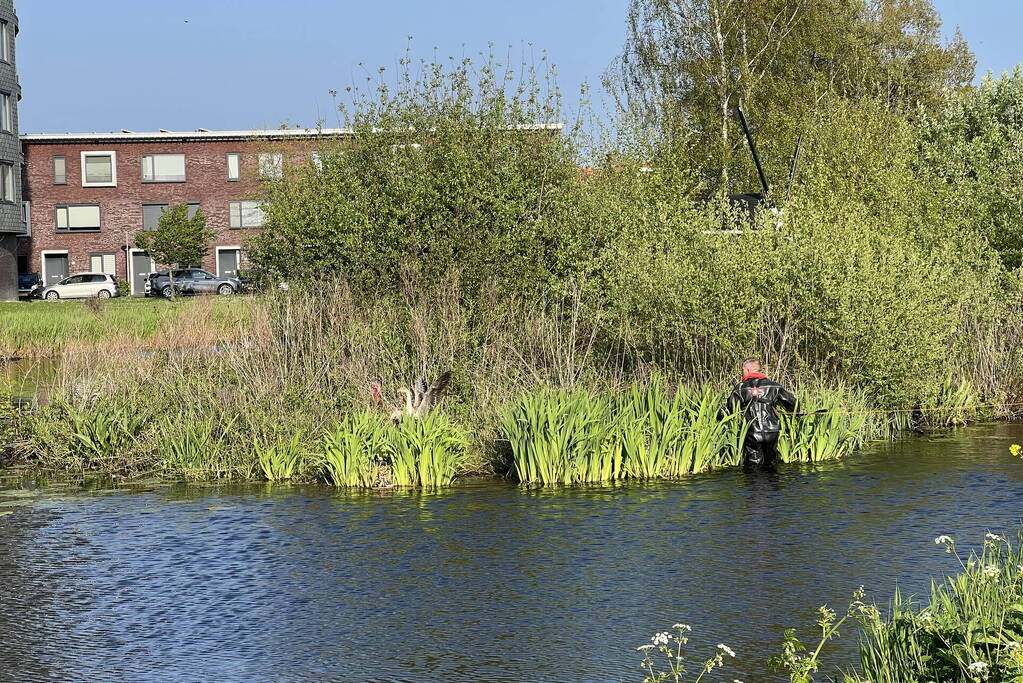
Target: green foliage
[
  {"x": 280, "y": 460},
  {"x": 688, "y": 63},
  {"x": 427, "y": 452},
  {"x": 102, "y": 431},
  {"x": 178, "y": 240},
  {"x": 353, "y": 449},
  {"x": 971, "y": 158},
  {"x": 970, "y": 629},
  {"x": 452, "y": 167}
]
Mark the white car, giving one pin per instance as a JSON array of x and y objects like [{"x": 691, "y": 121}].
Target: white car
[{"x": 82, "y": 286}]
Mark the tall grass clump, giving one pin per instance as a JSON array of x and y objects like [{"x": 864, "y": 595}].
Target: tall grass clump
[
  {"x": 426, "y": 452},
  {"x": 280, "y": 460},
  {"x": 353, "y": 450}
]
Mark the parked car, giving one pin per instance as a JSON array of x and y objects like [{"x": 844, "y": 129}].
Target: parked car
[
  {"x": 29, "y": 285},
  {"x": 83, "y": 286},
  {"x": 190, "y": 281}
]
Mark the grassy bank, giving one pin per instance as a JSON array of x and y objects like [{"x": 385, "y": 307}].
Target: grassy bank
[
  {"x": 545, "y": 392},
  {"x": 44, "y": 328}
]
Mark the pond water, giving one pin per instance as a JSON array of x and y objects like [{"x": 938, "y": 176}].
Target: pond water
[{"x": 486, "y": 582}]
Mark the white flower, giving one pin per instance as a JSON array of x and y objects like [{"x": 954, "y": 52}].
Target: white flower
[
  {"x": 660, "y": 638},
  {"x": 1013, "y": 645},
  {"x": 993, "y": 537},
  {"x": 644, "y": 648},
  {"x": 992, "y": 570},
  {"x": 683, "y": 627},
  {"x": 978, "y": 667},
  {"x": 926, "y": 615},
  {"x": 943, "y": 539},
  {"x": 727, "y": 650}
]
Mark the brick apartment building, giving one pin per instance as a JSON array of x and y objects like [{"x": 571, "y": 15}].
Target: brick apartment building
[{"x": 88, "y": 195}]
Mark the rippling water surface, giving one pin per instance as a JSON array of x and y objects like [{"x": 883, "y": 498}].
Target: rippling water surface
[{"x": 487, "y": 582}]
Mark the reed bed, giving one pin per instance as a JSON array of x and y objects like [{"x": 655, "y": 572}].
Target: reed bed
[
  {"x": 542, "y": 391},
  {"x": 652, "y": 432}
]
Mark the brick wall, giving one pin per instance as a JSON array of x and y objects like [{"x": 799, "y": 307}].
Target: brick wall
[{"x": 121, "y": 212}]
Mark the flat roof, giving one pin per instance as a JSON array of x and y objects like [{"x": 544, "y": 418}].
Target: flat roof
[{"x": 221, "y": 135}]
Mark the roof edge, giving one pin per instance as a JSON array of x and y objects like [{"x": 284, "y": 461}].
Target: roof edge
[{"x": 225, "y": 135}]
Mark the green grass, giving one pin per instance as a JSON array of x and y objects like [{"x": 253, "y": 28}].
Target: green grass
[{"x": 45, "y": 328}]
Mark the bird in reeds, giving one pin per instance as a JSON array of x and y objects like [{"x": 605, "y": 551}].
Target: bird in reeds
[{"x": 420, "y": 397}]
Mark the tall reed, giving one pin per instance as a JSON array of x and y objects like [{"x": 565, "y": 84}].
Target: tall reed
[{"x": 353, "y": 449}]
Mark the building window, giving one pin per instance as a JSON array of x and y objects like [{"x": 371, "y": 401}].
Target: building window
[
  {"x": 151, "y": 214},
  {"x": 78, "y": 218},
  {"x": 234, "y": 166},
  {"x": 246, "y": 215},
  {"x": 6, "y": 117},
  {"x": 6, "y": 182},
  {"x": 59, "y": 170},
  {"x": 163, "y": 168},
  {"x": 103, "y": 263},
  {"x": 5, "y": 41},
  {"x": 271, "y": 165},
  {"x": 99, "y": 169},
  {"x": 26, "y": 218}
]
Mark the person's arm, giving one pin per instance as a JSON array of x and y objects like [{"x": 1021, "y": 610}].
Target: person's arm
[
  {"x": 787, "y": 400},
  {"x": 730, "y": 405}
]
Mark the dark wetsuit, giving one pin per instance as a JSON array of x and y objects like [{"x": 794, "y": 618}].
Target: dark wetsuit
[{"x": 756, "y": 396}]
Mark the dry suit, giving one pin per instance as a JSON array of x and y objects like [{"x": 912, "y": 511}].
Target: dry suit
[{"x": 756, "y": 397}]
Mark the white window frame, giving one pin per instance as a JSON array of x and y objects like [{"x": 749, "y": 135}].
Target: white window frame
[
  {"x": 154, "y": 179},
  {"x": 5, "y": 36},
  {"x": 238, "y": 161},
  {"x": 70, "y": 230},
  {"x": 271, "y": 165},
  {"x": 228, "y": 248},
  {"x": 64, "y": 159},
  {"x": 113, "y": 168},
  {"x": 102, "y": 255},
  {"x": 241, "y": 214},
  {"x": 8, "y": 191},
  {"x": 52, "y": 252},
  {"x": 131, "y": 264},
  {"x": 6, "y": 112}
]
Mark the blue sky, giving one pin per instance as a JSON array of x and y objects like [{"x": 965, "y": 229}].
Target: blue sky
[{"x": 229, "y": 64}]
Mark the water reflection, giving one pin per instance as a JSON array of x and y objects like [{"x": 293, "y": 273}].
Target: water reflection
[{"x": 487, "y": 582}]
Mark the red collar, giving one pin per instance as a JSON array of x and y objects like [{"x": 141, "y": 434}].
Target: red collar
[{"x": 754, "y": 375}]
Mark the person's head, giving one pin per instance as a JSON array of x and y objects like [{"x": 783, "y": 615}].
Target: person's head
[{"x": 751, "y": 365}]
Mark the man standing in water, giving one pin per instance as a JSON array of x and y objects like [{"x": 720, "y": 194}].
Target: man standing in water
[{"x": 756, "y": 397}]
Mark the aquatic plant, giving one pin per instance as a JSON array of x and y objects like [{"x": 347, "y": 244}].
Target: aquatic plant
[
  {"x": 970, "y": 629},
  {"x": 353, "y": 448},
  {"x": 671, "y": 645},
  {"x": 427, "y": 451},
  {"x": 554, "y": 435},
  {"x": 102, "y": 430},
  {"x": 194, "y": 447},
  {"x": 279, "y": 461}
]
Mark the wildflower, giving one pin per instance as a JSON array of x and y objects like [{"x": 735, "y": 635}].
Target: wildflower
[
  {"x": 994, "y": 537},
  {"x": 683, "y": 627},
  {"x": 947, "y": 541},
  {"x": 992, "y": 570},
  {"x": 1015, "y": 449},
  {"x": 727, "y": 650},
  {"x": 660, "y": 638},
  {"x": 978, "y": 667},
  {"x": 926, "y": 616},
  {"x": 644, "y": 648},
  {"x": 1013, "y": 645}
]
